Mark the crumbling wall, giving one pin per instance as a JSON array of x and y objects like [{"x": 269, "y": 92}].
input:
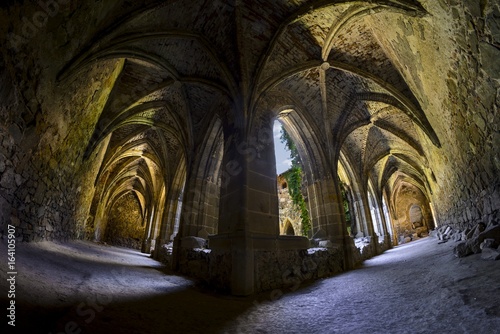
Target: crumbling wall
[
  {"x": 46, "y": 123},
  {"x": 289, "y": 213},
  {"x": 450, "y": 60},
  {"x": 125, "y": 225},
  {"x": 277, "y": 269},
  {"x": 289, "y": 268},
  {"x": 408, "y": 196}
]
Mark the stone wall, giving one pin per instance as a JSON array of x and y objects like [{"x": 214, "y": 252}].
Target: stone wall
[
  {"x": 46, "y": 185},
  {"x": 210, "y": 267},
  {"x": 289, "y": 213},
  {"x": 50, "y": 118},
  {"x": 277, "y": 269},
  {"x": 450, "y": 60},
  {"x": 289, "y": 268},
  {"x": 406, "y": 197},
  {"x": 125, "y": 226}
]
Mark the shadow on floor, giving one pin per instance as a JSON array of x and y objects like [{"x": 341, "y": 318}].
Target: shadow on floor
[{"x": 183, "y": 311}]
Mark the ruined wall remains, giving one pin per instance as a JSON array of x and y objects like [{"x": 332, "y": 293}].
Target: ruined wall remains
[
  {"x": 279, "y": 269},
  {"x": 450, "y": 60},
  {"x": 288, "y": 212},
  {"x": 46, "y": 185},
  {"x": 410, "y": 198},
  {"x": 50, "y": 118},
  {"x": 125, "y": 226}
]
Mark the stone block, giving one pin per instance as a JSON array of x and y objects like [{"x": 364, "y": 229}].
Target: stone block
[
  {"x": 491, "y": 233},
  {"x": 7, "y": 180},
  {"x": 471, "y": 232},
  {"x": 457, "y": 236},
  {"x": 474, "y": 245},
  {"x": 258, "y": 201},
  {"x": 490, "y": 254},
  {"x": 193, "y": 242},
  {"x": 447, "y": 231},
  {"x": 325, "y": 244},
  {"x": 489, "y": 243},
  {"x": 203, "y": 233},
  {"x": 15, "y": 221},
  {"x": 320, "y": 234}
]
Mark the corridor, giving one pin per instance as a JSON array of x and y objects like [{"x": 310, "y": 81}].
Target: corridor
[{"x": 418, "y": 287}]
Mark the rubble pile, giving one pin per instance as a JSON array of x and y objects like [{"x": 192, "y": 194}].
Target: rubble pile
[{"x": 482, "y": 238}]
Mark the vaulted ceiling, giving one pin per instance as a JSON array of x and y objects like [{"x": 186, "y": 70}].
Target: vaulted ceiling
[{"x": 182, "y": 63}]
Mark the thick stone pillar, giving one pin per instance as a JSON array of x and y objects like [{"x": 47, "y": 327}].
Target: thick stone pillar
[
  {"x": 191, "y": 206},
  {"x": 248, "y": 215},
  {"x": 369, "y": 220},
  {"x": 167, "y": 221},
  {"x": 146, "y": 241},
  {"x": 327, "y": 211},
  {"x": 327, "y": 215},
  {"x": 360, "y": 219},
  {"x": 200, "y": 206},
  {"x": 383, "y": 222}
]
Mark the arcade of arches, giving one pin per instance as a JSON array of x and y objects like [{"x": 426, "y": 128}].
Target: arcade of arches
[{"x": 148, "y": 124}]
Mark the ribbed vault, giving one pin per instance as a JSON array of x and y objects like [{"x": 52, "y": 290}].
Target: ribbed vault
[{"x": 165, "y": 108}]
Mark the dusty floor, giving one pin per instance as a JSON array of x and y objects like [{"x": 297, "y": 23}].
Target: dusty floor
[{"x": 420, "y": 287}]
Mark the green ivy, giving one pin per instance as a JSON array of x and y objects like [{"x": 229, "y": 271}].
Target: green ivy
[{"x": 293, "y": 177}]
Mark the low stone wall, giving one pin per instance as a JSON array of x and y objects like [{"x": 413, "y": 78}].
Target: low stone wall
[
  {"x": 289, "y": 268},
  {"x": 273, "y": 269},
  {"x": 209, "y": 266},
  {"x": 282, "y": 268},
  {"x": 195, "y": 262},
  {"x": 365, "y": 248}
]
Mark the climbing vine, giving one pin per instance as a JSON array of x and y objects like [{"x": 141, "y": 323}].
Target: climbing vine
[{"x": 293, "y": 177}]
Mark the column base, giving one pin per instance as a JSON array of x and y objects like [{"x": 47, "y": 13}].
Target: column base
[
  {"x": 146, "y": 246},
  {"x": 239, "y": 250}
]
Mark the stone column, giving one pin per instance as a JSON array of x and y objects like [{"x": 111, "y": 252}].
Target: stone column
[
  {"x": 352, "y": 213},
  {"x": 385, "y": 231},
  {"x": 369, "y": 221},
  {"x": 248, "y": 213},
  {"x": 327, "y": 210},
  {"x": 327, "y": 215},
  {"x": 146, "y": 241},
  {"x": 201, "y": 195},
  {"x": 167, "y": 220},
  {"x": 191, "y": 206},
  {"x": 360, "y": 219}
]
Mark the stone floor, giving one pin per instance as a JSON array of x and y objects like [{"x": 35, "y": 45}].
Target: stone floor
[{"x": 420, "y": 287}]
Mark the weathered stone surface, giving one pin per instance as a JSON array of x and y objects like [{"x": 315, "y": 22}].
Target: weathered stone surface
[
  {"x": 319, "y": 235},
  {"x": 7, "y": 180},
  {"x": 474, "y": 245},
  {"x": 164, "y": 255},
  {"x": 290, "y": 220},
  {"x": 461, "y": 250},
  {"x": 471, "y": 246},
  {"x": 325, "y": 244},
  {"x": 203, "y": 234},
  {"x": 490, "y": 254},
  {"x": 193, "y": 242},
  {"x": 491, "y": 233},
  {"x": 489, "y": 243},
  {"x": 405, "y": 103}
]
